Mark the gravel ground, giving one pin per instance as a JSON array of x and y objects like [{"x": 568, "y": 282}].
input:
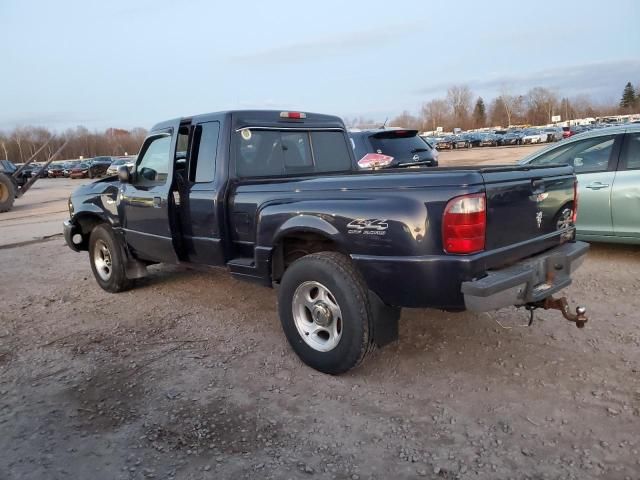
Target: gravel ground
[{"x": 189, "y": 376}]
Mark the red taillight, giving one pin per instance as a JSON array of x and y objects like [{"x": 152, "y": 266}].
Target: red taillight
[
  {"x": 574, "y": 218},
  {"x": 296, "y": 115},
  {"x": 464, "y": 224}
]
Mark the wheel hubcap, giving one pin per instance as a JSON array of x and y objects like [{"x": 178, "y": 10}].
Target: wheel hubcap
[
  {"x": 317, "y": 316},
  {"x": 102, "y": 260}
]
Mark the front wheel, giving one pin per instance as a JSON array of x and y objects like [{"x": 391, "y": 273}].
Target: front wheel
[
  {"x": 325, "y": 312},
  {"x": 107, "y": 259}
]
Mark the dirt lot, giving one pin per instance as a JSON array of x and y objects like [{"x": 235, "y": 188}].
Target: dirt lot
[{"x": 188, "y": 376}]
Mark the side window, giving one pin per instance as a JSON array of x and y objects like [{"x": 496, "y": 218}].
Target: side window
[
  {"x": 153, "y": 168},
  {"x": 585, "y": 156},
  {"x": 631, "y": 154},
  {"x": 330, "y": 151},
  {"x": 203, "y": 164}
]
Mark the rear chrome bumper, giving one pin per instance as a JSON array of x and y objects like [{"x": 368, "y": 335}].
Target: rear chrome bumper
[{"x": 530, "y": 280}]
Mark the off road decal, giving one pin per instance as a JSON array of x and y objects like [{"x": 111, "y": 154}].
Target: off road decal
[{"x": 370, "y": 226}]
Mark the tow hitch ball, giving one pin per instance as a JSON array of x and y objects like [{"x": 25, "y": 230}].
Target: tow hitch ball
[{"x": 550, "y": 303}]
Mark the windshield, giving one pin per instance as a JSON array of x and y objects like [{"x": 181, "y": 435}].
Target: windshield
[{"x": 401, "y": 148}]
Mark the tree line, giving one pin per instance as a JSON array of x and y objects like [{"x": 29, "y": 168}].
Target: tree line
[
  {"x": 460, "y": 108},
  {"x": 21, "y": 143}
]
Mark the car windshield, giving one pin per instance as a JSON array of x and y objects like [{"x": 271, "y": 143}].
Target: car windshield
[
  {"x": 117, "y": 163},
  {"x": 83, "y": 165}
]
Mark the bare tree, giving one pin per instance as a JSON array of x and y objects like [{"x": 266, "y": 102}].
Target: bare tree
[
  {"x": 435, "y": 113},
  {"x": 541, "y": 103},
  {"x": 22, "y": 142},
  {"x": 459, "y": 98},
  {"x": 406, "y": 120},
  {"x": 511, "y": 103}
]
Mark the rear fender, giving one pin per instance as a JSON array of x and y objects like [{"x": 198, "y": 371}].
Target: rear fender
[{"x": 306, "y": 223}]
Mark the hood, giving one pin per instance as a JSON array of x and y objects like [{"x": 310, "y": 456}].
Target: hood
[{"x": 104, "y": 185}]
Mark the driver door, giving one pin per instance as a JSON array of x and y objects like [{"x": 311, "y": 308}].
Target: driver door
[{"x": 145, "y": 203}]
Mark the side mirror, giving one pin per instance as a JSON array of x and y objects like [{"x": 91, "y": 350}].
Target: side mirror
[{"x": 123, "y": 174}]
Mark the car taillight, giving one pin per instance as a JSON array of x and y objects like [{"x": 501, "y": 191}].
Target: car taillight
[
  {"x": 464, "y": 224},
  {"x": 574, "y": 218}
]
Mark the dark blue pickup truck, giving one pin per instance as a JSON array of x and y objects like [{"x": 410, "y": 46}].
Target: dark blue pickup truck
[{"x": 276, "y": 198}]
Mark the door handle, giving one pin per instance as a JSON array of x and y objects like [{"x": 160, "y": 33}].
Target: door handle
[
  {"x": 157, "y": 201},
  {"x": 597, "y": 185}
]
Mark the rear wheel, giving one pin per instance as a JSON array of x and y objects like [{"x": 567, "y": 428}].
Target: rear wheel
[
  {"x": 7, "y": 193},
  {"x": 107, "y": 259},
  {"x": 325, "y": 312}
]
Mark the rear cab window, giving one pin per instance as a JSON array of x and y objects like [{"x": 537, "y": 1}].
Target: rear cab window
[{"x": 273, "y": 153}]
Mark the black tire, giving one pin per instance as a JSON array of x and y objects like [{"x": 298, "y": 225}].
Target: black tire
[
  {"x": 115, "y": 280},
  {"x": 335, "y": 272},
  {"x": 7, "y": 193}
]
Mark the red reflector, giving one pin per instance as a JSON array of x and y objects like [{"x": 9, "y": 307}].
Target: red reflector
[
  {"x": 464, "y": 224},
  {"x": 574, "y": 219},
  {"x": 297, "y": 115}
]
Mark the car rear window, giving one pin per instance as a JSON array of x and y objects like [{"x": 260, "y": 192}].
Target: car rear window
[
  {"x": 399, "y": 147},
  {"x": 264, "y": 153}
]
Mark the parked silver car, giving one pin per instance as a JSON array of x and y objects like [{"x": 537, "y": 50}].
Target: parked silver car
[
  {"x": 554, "y": 134},
  {"x": 607, "y": 164}
]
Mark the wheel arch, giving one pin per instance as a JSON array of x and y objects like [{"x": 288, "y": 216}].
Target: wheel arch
[
  {"x": 299, "y": 237},
  {"x": 85, "y": 222}
]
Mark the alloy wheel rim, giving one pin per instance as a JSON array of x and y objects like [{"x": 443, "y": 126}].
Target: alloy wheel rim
[
  {"x": 317, "y": 316},
  {"x": 564, "y": 220},
  {"x": 102, "y": 260}
]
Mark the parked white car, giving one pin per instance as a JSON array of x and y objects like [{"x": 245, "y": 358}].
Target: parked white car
[
  {"x": 534, "y": 136},
  {"x": 128, "y": 161}
]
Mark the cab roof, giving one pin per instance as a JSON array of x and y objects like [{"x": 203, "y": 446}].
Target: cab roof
[{"x": 262, "y": 118}]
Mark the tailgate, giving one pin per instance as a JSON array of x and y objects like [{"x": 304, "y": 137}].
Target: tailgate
[{"x": 525, "y": 202}]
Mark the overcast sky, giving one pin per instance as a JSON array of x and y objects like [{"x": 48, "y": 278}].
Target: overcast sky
[{"x": 129, "y": 63}]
